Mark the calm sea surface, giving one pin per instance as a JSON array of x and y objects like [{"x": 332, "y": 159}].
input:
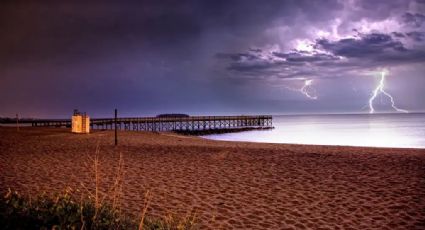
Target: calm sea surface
[{"x": 378, "y": 130}]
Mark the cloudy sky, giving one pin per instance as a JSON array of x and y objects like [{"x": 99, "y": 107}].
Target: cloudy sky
[{"x": 210, "y": 57}]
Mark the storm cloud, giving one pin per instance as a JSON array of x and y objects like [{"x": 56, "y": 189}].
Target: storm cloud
[{"x": 204, "y": 57}]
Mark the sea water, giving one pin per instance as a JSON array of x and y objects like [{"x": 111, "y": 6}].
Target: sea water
[{"x": 376, "y": 130}]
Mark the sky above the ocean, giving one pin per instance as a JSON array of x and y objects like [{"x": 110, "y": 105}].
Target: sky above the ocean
[{"x": 211, "y": 57}]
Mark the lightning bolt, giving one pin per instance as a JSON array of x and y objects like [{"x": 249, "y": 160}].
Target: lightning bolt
[
  {"x": 307, "y": 88},
  {"x": 380, "y": 89}
]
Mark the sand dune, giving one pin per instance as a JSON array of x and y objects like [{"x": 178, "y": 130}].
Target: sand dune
[{"x": 229, "y": 185}]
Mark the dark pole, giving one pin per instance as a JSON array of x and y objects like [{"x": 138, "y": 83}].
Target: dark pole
[
  {"x": 116, "y": 136},
  {"x": 17, "y": 123}
]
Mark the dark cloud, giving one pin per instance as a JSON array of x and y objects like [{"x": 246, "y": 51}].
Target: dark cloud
[
  {"x": 330, "y": 58},
  {"x": 398, "y": 34},
  {"x": 416, "y": 35},
  {"x": 256, "y": 66},
  {"x": 368, "y": 45},
  {"x": 415, "y": 20},
  {"x": 306, "y": 57},
  {"x": 376, "y": 48}
]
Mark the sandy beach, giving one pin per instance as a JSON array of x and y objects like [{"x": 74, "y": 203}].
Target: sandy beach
[{"x": 228, "y": 185}]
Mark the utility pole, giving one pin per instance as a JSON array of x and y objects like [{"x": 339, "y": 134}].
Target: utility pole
[
  {"x": 115, "y": 121},
  {"x": 17, "y": 123}
]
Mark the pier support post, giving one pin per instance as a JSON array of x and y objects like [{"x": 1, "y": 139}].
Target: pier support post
[{"x": 115, "y": 123}]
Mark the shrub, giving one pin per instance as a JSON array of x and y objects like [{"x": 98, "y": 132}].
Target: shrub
[
  {"x": 59, "y": 212},
  {"x": 62, "y": 211}
]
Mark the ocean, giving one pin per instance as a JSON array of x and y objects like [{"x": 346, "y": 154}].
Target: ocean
[{"x": 374, "y": 130}]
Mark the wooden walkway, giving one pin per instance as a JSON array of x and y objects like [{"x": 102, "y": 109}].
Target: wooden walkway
[{"x": 194, "y": 123}]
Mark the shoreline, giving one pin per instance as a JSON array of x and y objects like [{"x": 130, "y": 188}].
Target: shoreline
[
  {"x": 229, "y": 185},
  {"x": 313, "y": 145}
]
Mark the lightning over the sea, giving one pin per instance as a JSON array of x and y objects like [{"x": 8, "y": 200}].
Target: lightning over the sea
[
  {"x": 306, "y": 89},
  {"x": 380, "y": 89}
]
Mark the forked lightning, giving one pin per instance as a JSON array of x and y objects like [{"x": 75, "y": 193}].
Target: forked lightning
[
  {"x": 306, "y": 89},
  {"x": 380, "y": 89}
]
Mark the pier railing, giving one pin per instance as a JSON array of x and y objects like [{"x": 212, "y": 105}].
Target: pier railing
[{"x": 192, "y": 123}]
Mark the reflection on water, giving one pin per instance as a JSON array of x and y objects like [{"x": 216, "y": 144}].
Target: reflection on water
[{"x": 379, "y": 130}]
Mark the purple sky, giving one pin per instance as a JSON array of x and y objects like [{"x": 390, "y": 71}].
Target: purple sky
[{"x": 210, "y": 57}]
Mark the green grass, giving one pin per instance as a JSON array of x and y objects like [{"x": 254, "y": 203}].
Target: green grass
[{"x": 63, "y": 211}]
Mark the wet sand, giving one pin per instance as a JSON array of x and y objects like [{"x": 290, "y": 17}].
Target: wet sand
[{"x": 229, "y": 185}]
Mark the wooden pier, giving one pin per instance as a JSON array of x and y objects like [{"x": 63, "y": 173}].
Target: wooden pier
[{"x": 157, "y": 124}]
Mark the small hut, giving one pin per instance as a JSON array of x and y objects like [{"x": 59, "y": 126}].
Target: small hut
[{"x": 80, "y": 122}]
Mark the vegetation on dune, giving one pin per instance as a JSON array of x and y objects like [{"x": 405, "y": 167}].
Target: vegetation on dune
[
  {"x": 63, "y": 211},
  {"x": 58, "y": 212}
]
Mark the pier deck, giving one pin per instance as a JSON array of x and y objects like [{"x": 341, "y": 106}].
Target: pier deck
[{"x": 192, "y": 123}]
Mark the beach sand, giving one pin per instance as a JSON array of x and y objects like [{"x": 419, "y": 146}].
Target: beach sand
[{"x": 228, "y": 185}]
